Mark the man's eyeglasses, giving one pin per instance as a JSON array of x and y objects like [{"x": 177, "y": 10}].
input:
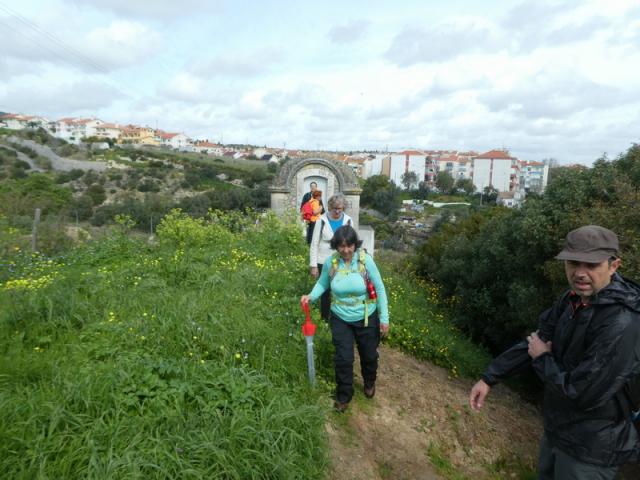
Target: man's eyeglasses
[{"x": 337, "y": 209}]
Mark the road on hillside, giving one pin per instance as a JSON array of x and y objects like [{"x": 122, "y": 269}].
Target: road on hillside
[{"x": 57, "y": 162}]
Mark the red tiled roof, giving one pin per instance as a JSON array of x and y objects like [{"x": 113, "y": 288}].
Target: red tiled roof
[
  {"x": 496, "y": 154},
  {"x": 411, "y": 152},
  {"x": 206, "y": 144},
  {"x": 166, "y": 135}
]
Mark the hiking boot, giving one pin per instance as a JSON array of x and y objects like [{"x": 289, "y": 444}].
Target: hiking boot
[
  {"x": 369, "y": 392},
  {"x": 340, "y": 407}
]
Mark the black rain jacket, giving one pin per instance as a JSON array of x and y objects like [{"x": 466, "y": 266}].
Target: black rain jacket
[{"x": 595, "y": 352}]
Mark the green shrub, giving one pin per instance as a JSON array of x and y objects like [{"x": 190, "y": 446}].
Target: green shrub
[{"x": 497, "y": 266}]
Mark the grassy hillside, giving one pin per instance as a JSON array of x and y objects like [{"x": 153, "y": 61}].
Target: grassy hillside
[{"x": 181, "y": 358}]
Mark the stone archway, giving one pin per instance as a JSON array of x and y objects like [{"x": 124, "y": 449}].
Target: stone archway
[{"x": 332, "y": 177}]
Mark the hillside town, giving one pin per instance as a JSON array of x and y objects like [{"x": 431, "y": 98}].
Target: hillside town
[{"x": 498, "y": 170}]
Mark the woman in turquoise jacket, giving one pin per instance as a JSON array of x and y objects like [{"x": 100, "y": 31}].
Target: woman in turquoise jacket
[{"x": 358, "y": 314}]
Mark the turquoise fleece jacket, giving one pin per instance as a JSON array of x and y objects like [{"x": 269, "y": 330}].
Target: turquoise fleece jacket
[{"x": 348, "y": 287}]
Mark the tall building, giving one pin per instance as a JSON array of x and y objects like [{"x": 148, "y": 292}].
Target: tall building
[
  {"x": 497, "y": 169},
  {"x": 396, "y": 165}
]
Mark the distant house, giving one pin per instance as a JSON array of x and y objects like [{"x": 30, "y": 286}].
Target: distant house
[
  {"x": 511, "y": 199},
  {"x": 132, "y": 134},
  {"x": 15, "y": 121},
  {"x": 108, "y": 130},
  {"x": 73, "y": 130},
  {"x": 176, "y": 141},
  {"x": 204, "y": 146}
]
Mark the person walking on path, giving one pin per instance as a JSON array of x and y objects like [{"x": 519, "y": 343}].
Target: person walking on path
[
  {"x": 315, "y": 207},
  {"x": 313, "y": 186},
  {"x": 320, "y": 247},
  {"x": 586, "y": 351},
  {"x": 357, "y": 313}
]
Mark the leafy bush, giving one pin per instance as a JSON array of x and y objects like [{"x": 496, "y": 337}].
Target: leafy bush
[
  {"x": 65, "y": 177},
  {"x": 96, "y": 193},
  {"x": 24, "y": 195},
  {"x": 66, "y": 150},
  {"x": 497, "y": 266}
]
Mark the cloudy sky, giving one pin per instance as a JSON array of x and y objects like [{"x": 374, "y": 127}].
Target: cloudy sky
[{"x": 544, "y": 79}]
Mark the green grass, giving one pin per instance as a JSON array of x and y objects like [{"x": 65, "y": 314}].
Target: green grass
[
  {"x": 178, "y": 359},
  {"x": 420, "y": 328},
  {"x": 182, "y": 360}
]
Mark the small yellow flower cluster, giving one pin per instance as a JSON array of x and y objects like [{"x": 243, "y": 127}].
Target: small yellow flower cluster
[
  {"x": 29, "y": 283},
  {"x": 41, "y": 273}
]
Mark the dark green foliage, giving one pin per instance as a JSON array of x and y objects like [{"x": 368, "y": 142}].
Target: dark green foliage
[
  {"x": 409, "y": 179},
  {"x": 23, "y": 196},
  {"x": 146, "y": 213},
  {"x": 382, "y": 194},
  {"x": 81, "y": 208},
  {"x": 17, "y": 172},
  {"x": 466, "y": 185},
  {"x": 148, "y": 185},
  {"x": 64, "y": 177},
  {"x": 497, "y": 266},
  {"x": 445, "y": 182},
  {"x": 66, "y": 150},
  {"x": 91, "y": 177},
  {"x": 96, "y": 193},
  {"x": 21, "y": 164},
  {"x": 7, "y": 155}
]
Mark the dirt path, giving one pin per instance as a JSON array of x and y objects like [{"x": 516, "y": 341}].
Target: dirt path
[{"x": 420, "y": 412}]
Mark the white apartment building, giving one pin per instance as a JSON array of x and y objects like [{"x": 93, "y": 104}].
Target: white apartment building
[
  {"x": 496, "y": 169},
  {"x": 177, "y": 141},
  {"x": 108, "y": 130},
  {"x": 372, "y": 165},
  {"x": 534, "y": 176},
  {"x": 73, "y": 130},
  {"x": 397, "y": 164},
  {"x": 457, "y": 167}
]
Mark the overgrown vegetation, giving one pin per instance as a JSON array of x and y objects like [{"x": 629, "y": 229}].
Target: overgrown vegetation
[
  {"x": 497, "y": 266},
  {"x": 153, "y": 182},
  {"x": 126, "y": 359}
]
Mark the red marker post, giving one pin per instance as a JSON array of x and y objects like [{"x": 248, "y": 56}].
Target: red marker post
[{"x": 309, "y": 330}]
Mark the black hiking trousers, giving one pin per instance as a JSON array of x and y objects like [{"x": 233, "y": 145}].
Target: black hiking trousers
[
  {"x": 367, "y": 340},
  {"x": 325, "y": 299}
]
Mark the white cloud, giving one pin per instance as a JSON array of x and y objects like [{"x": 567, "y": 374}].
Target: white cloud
[
  {"x": 349, "y": 32},
  {"x": 160, "y": 9},
  {"x": 57, "y": 97},
  {"x": 241, "y": 65},
  {"x": 122, "y": 43},
  {"x": 443, "y": 42}
]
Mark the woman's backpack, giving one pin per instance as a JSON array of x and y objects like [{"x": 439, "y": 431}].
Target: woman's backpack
[{"x": 307, "y": 211}]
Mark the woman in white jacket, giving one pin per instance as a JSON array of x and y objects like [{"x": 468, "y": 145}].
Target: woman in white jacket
[{"x": 320, "y": 247}]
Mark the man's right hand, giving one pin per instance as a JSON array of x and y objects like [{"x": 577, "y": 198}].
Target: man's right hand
[
  {"x": 478, "y": 394},
  {"x": 314, "y": 272}
]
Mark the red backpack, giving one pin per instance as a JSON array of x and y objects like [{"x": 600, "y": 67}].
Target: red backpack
[{"x": 307, "y": 211}]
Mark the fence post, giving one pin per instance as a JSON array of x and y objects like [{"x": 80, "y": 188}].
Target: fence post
[{"x": 34, "y": 231}]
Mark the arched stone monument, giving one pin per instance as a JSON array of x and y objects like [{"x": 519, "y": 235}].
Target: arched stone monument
[{"x": 332, "y": 177}]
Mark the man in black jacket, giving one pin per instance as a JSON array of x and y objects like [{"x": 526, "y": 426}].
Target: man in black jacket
[{"x": 586, "y": 351}]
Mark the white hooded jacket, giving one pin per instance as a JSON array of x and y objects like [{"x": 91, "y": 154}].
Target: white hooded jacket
[{"x": 320, "y": 248}]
